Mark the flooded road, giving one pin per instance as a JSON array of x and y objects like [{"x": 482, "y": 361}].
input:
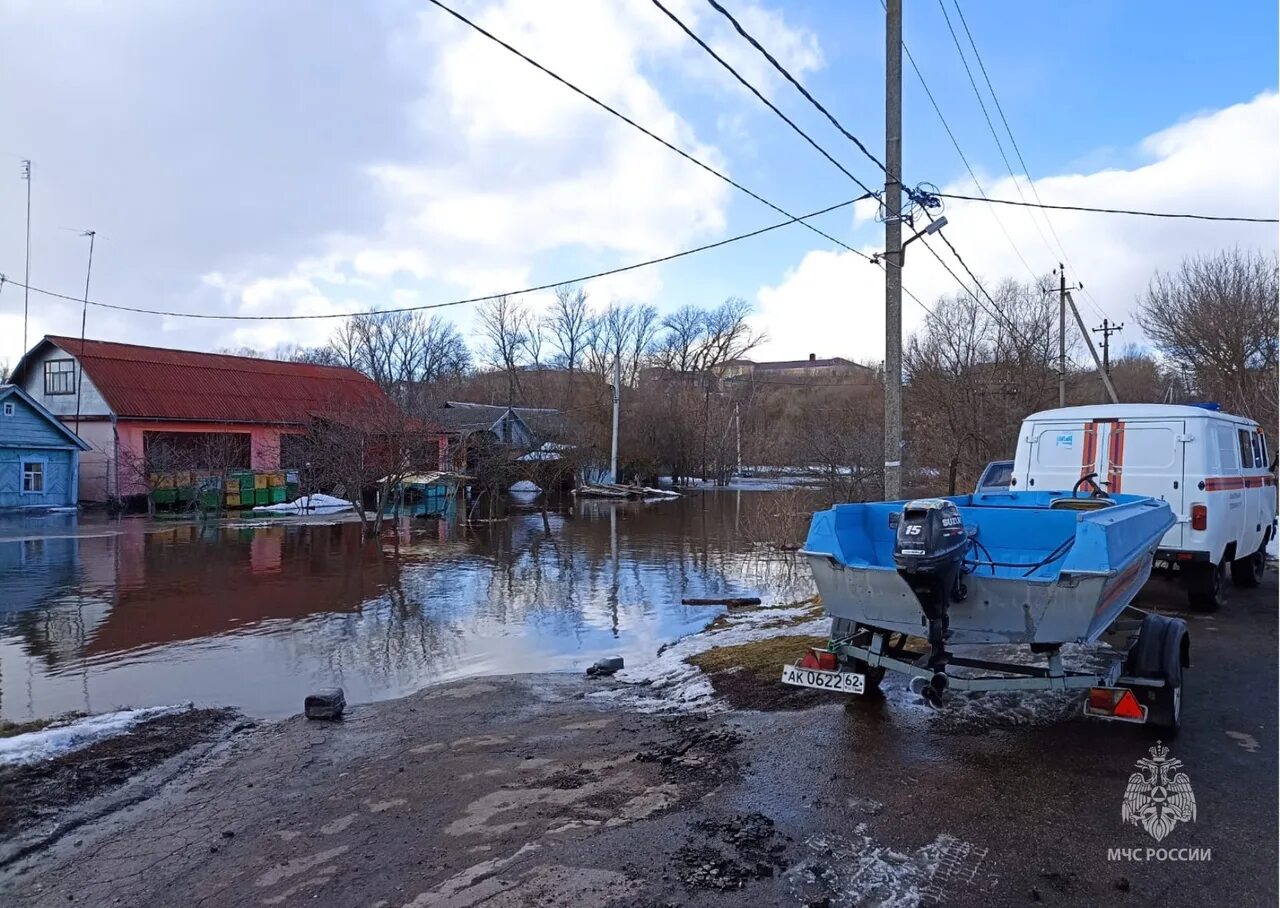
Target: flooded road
[{"x": 98, "y": 613}]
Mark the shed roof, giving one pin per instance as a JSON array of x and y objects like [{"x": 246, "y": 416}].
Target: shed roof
[
  {"x": 71, "y": 437},
  {"x": 157, "y": 383}
]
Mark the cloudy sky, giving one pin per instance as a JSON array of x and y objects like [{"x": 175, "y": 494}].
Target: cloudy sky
[{"x": 300, "y": 157}]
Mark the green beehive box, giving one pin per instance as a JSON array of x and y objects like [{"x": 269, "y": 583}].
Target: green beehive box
[
  {"x": 186, "y": 493},
  {"x": 164, "y": 496},
  {"x": 211, "y": 499},
  {"x": 245, "y": 480},
  {"x": 291, "y": 491},
  {"x": 277, "y": 494},
  {"x": 262, "y": 496}
]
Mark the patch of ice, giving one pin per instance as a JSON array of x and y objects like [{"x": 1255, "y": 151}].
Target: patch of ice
[
  {"x": 525, "y": 485},
  {"x": 1272, "y": 551},
  {"x": 667, "y": 682},
  {"x": 63, "y": 738},
  {"x": 309, "y": 504}
]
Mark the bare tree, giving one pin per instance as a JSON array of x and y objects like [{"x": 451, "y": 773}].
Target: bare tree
[
  {"x": 371, "y": 450},
  {"x": 504, "y": 324},
  {"x": 567, "y": 324},
  {"x": 1216, "y": 316},
  {"x": 972, "y": 374}
]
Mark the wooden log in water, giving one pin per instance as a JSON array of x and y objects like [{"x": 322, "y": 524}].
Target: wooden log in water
[{"x": 732, "y": 601}]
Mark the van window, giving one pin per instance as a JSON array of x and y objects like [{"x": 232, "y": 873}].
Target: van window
[
  {"x": 1262, "y": 446},
  {"x": 1059, "y": 446},
  {"x": 1225, "y": 447},
  {"x": 1259, "y": 455},
  {"x": 1246, "y": 449}
]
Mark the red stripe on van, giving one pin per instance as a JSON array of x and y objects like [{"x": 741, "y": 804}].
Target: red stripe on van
[
  {"x": 1115, "y": 457},
  {"x": 1089, "y": 450},
  {"x": 1223, "y": 483}
]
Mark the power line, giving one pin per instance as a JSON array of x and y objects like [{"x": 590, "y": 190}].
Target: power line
[
  {"x": 763, "y": 100},
  {"x": 795, "y": 82},
  {"x": 1026, "y": 173},
  {"x": 1093, "y": 210},
  {"x": 478, "y": 299},
  {"x": 964, "y": 159},
  {"x": 814, "y": 101},
  {"x": 630, "y": 122}
]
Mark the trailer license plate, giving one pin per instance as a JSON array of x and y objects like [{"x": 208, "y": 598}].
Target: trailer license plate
[{"x": 842, "y": 682}]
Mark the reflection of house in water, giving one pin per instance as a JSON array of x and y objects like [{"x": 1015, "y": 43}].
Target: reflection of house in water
[
  {"x": 46, "y": 600},
  {"x": 71, "y": 598}
]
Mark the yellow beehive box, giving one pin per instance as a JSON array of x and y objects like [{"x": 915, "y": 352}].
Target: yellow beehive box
[
  {"x": 259, "y": 480},
  {"x": 233, "y": 499}
]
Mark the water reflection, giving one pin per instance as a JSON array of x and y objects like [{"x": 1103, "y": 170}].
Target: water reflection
[{"x": 97, "y": 614}]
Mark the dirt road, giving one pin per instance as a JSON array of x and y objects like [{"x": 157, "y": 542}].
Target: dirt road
[{"x": 529, "y": 791}]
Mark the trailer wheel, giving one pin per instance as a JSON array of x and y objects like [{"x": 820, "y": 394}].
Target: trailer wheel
[
  {"x": 1248, "y": 572},
  {"x": 1163, "y": 650},
  {"x": 1206, "y": 586}
]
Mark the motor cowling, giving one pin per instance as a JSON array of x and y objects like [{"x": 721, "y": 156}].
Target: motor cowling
[{"x": 928, "y": 551}]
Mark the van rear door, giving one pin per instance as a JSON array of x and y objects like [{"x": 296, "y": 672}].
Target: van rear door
[
  {"x": 1148, "y": 457},
  {"x": 1059, "y": 453}
]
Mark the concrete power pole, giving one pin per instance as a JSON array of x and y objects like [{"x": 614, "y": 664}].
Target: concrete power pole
[
  {"x": 1062, "y": 336},
  {"x": 26, "y": 274},
  {"x": 617, "y": 400},
  {"x": 893, "y": 250},
  {"x": 1106, "y": 330}
]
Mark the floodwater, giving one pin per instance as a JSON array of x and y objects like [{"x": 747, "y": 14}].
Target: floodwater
[{"x": 98, "y": 613}]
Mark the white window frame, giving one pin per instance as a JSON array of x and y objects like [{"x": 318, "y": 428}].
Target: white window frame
[
  {"x": 9, "y": 409},
  {"x": 43, "y": 463}
]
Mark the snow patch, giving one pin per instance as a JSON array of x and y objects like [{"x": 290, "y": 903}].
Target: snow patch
[
  {"x": 63, "y": 738},
  {"x": 309, "y": 504},
  {"x": 857, "y": 870},
  {"x": 667, "y": 682}
]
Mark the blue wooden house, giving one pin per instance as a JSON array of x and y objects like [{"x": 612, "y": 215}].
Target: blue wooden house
[{"x": 39, "y": 456}]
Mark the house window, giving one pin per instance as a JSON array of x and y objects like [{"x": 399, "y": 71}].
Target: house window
[
  {"x": 60, "y": 376},
  {"x": 32, "y": 477},
  {"x": 8, "y": 408}
]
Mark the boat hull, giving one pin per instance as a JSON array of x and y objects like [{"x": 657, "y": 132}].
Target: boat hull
[{"x": 1074, "y": 601}]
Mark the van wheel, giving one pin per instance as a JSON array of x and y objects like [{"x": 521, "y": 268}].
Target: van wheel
[
  {"x": 1247, "y": 572},
  {"x": 1206, "y": 586}
]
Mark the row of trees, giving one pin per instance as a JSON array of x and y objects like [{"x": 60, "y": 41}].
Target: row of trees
[{"x": 970, "y": 376}]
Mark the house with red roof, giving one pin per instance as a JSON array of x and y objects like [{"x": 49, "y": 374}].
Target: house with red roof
[{"x": 125, "y": 400}]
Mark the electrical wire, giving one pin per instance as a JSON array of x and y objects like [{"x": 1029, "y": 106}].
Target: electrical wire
[
  {"x": 831, "y": 117},
  {"x": 763, "y": 100},
  {"x": 796, "y": 83},
  {"x": 630, "y": 122},
  {"x": 461, "y": 302},
  {"x": 1093, "y": 210}
]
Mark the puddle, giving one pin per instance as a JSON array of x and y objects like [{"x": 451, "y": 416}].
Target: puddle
[{"x": 99, "y": 613}]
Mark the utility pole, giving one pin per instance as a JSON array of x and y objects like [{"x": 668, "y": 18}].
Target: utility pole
[
  {"x": 26, "y": 276},
  {"x": 893, "y": 250},
  {"x": 1062, "y": 336},
  {"x": 1106, "y": 331},
  {"x": 84, "y": 313},
  {"x": 617, "y": 400},
  {"x": 1106, "y": 379},
  {"x": 737, "y": 432}
]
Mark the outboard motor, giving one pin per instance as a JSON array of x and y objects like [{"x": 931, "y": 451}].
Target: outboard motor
[{"x": 929, "y": 553}]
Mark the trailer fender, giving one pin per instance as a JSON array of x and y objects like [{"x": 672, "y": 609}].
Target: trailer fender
[{"x": 1163, "y": 649}]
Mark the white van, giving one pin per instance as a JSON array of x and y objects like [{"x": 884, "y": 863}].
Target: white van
[{"x": 1212, "y": 468}]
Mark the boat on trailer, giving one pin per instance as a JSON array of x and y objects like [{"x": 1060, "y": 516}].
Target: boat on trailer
[{"x": 1037, "y": 568}]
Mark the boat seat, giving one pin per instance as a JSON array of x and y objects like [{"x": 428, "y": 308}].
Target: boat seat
[{"x": 1080, "y": 504}]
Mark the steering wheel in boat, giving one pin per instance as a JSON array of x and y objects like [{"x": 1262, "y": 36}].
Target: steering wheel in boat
[{"x": 1095, "y": 490}]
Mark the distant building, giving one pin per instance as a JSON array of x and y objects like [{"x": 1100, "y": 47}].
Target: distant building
[
  {"x": 831, "y": 369},
  {"x": 797, "y": 372},
  {"x": 133, "y": 401},
  {"x": 39, "y": 456}
]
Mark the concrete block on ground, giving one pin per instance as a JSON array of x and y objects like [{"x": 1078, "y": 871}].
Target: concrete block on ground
[{"x": 327, "y": 703}]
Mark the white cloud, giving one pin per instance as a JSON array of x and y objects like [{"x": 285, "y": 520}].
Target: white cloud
[{"x": 1219, "y": 162}]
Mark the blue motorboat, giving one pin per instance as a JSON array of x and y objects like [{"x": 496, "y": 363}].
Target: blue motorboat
[
  {"x": 1040, "y": 568},
  {"x": 1037, "y": 567}
]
